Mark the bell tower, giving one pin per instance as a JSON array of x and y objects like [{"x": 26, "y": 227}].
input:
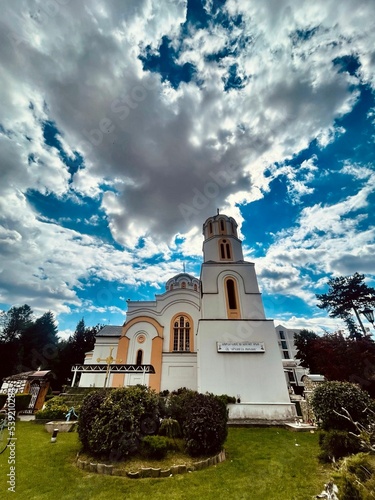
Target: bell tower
[
  {"x": 229, "y": 284},
  {"x": 221, "y": 243},
  {"x": 236, "y": 345}
]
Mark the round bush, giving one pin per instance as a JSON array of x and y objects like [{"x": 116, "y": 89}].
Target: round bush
[
  {"x": 155, "y": 447},
  {"x": 205, "y": 426},
  {"x": 88, "y": 413},
  {"x": 334, "y": 396},
  {"x": 55, "y": 409},
  {"x": 176, "y": 404},
  {"x": 114, "y": 422}
]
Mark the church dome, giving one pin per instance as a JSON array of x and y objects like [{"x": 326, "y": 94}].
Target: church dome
[{"x": 183, "y": 280}]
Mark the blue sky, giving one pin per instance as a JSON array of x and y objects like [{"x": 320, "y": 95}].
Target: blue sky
[{"x": 125, "y": 124}]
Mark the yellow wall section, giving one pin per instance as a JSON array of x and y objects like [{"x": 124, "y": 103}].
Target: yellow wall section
[
  {"x": 123, "y": 347},
  {"x": 156, "y": 361},
  {"x": 122, "y": 353}
]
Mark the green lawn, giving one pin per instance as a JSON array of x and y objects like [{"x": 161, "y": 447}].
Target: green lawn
[{"x": 262, "y": 464}]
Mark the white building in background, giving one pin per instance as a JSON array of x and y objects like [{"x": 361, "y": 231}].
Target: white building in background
[
  {"x": 208, "y": 334},
  {"x": 292, "y": 369}
]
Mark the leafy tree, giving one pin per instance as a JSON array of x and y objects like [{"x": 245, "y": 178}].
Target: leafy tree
[
  {"x": 305, "y": 343},
  {"x": 72, "y": 351},
  {"x": 83, "y": 340},
  {"x": 347, "y": 294},
  {"x": 14, "y": 322},
  {"x": 12, "y": 325},
  {"x": 338, "y": 358},
  {"x": 39, "y": 344}
]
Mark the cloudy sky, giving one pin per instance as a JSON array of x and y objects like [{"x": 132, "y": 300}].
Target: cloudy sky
[{"x": 124, "y": 124}]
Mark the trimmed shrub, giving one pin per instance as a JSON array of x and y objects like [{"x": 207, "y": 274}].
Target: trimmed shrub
[
  {"x": 205, "y": 426},
  {"x": 155, "y": 447},
  {"x": 337, "y": 444},
  {"x": 90, "y": 405},
  {"x": 227, "y": 399},
  {"x": 171, "y": 428},
  {"x": 112, "y": 428},
  {"x": 333, "y": 396},
  {"x": 176, "y": 404},
  {"x": 54, "y": 409}
]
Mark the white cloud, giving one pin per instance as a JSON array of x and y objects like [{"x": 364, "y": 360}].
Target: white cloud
[
  {"x": 328, "y": 239},
  {"x": 319, "y": 325},
  {"x": 160, "y": 149}
]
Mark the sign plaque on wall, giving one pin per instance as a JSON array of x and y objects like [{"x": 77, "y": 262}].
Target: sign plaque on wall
[{"x": 240, "y": 347}]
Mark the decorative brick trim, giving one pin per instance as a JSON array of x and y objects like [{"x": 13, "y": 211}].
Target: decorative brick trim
[{"x": 150, "y": 472}]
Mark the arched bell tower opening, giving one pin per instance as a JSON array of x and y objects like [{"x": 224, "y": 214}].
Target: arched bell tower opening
[{"x": 232, "y": 299}]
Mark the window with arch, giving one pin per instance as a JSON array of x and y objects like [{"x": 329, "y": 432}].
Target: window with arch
[
  {"x": 210, "y": 228},
  {"x": 183, "y": 284},
  {"x": 225, "y": 250},
  {"x": 181, "y": 334},
  {"x": 139, "y": 357},
  {"x": 231, "y": 293},
  {"x": 222, "y": 226}
]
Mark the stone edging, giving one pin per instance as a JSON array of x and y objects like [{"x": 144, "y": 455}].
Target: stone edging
[{"x": 111, "y": 470}]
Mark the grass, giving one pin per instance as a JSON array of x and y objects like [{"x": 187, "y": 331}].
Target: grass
[{"x": 262, "y": 464}]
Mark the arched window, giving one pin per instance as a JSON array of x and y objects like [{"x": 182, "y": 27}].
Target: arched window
[
  {"x": 233, "y": 308},
  {"x": 222, "y": 226},
  {"x": 210, "y": 229},
  {"x": 181, "y": 334},
  {"x": 139, "y": 357},
  {"x": 183, "y": 284},
  {"x": 225, "y": 250},
  {"x": 195, "y": 287},
  {"x": 171, "y": 287}
]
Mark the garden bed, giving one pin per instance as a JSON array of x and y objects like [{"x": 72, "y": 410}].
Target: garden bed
[{"x": 136, "y": 468}]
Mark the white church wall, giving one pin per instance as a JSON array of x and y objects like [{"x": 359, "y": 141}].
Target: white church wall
[
  {"x": 214, "y": 304},
  {"x": 256, "y": 378},
  {"x": 179, "y": 370}
]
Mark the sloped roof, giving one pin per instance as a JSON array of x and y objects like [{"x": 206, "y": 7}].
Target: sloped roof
[
  {"x": 110, "y": 331},
  {"x": 28, "y": 375}
]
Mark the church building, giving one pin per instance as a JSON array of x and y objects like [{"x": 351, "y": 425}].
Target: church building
[{"x": 208, "y": 334}]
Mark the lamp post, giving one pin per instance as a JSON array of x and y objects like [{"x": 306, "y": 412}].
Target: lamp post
[{"x": 369, "y": 315}]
